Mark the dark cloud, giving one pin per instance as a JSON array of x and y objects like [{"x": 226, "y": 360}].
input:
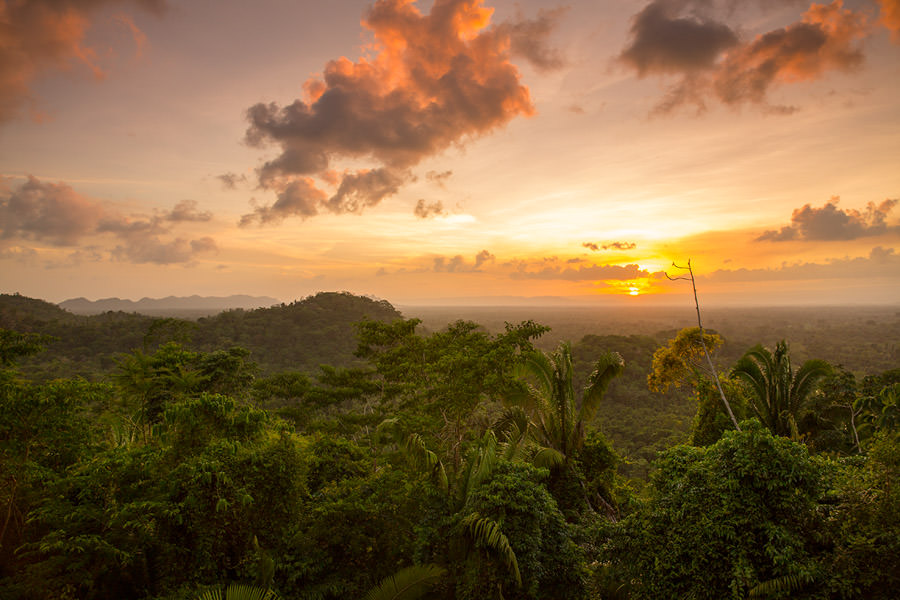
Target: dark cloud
[
  {"x": 681, "y": 38},
  {"x": 881, "y": 262},
  {"x": 831, "y": 223},
  {"x": 425, "y": 210},
  {"x": 664, "y": 42},
  {"x": 363, "y": 189},
  {"x": 437, "y": 80},
  {"x": 457, "y": 264},
  {"x": 186, "y": 210},
  {"x": 439, "y": 178},
  {"x": 41, "y": 35},
  {"x": 51, "y": 212},
  {"x": 300, "y": 198},
  {"x": 57, "y": 214},
  {"x": 584, "y": 273},
  {"x": 230, "y": 181},
  {"x": 610, "y": 246},
  {"x": 529, "y": 38},
  {"x": 825, "y": 39},
  {"x": 483, "y": 257}
]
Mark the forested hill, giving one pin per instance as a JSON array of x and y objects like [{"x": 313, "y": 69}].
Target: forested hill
[{"x": 302, "y": 335}]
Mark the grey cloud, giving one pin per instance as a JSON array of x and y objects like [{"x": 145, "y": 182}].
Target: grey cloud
[
  {"x": 439, "y": 178},
  {"x": 438, "y": 81},
  {"x": 47, "y": 211},
  {"x": 683, "y": 39},
  {"x": 300, "y": 198},
  {"x": 56, "y": 213},
  {"x": 364, "y": 189},
  {"x": 483, "y": 257},
  {"x": 585, "y": 273},
  {"x": 230, "y": 181},
  {"x": 186, "y": 210},
  {"x": 529, "y": 38},
  {"x": 610, "y": 246},
  {"x": 831, "y": 223},
  {"x": 425, "y": 210},
  {"x": 457, "y": 264},
  {"x": 881, "y": 262},
  {"x": 663, "y": 42}
]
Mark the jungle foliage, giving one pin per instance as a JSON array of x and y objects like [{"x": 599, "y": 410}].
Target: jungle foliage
[{"x": 461, "y": 463}]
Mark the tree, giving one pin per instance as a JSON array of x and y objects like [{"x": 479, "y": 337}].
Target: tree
[
  {"x": 709, "y": 362},
  {"x": 559, "y": 417},
  {"x": 778, "y": 394},
  {"x": 495, "y": 527},
  {"x": 724, "y": 520},
  {"x": 448, "y": 374}
]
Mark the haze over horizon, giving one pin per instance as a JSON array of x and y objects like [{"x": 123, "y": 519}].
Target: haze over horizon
[{"x": 440, "y": 152}]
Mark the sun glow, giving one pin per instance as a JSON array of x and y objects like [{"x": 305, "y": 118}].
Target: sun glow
[{"x": 633, "y": 291}]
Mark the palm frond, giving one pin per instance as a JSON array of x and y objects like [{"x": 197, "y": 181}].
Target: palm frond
[
  {"x": 547, "y": 458},
  {"x": 609, "y": 366},
  {"x": 239, "y": 591},
  {"x": 780, "y": 585},
  {"x": 487, "y": 532},
  {"x": 407, "y": 584},
  {"x": 425, "y": 460}
]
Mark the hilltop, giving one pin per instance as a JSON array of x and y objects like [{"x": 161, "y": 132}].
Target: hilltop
[{"x": 300, "y": 336}]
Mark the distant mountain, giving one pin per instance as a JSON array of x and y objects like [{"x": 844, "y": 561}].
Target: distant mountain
[{"x": 210, "y": 304}]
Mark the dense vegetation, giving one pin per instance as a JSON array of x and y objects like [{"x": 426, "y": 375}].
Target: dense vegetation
[{"x": 461, "y": 463}]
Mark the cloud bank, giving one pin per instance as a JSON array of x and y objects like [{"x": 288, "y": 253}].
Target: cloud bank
[
  {"x": 432, "y": 81},
  {"x": 831, "y": 223},
  {"x": 880, "y": 263},
  {"x": 56, "y": 214}
]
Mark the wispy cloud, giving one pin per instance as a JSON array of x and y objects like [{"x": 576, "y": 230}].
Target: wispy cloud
[{"x": 609, "y": 246}]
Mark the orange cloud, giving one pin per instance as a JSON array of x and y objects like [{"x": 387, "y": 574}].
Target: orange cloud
[
  {"x": 712, "y": 62},
  {"x": 40, "y": 35},
  {"x": 428, "y": 82},
  {"x": 890, "y": 17},
  {"x": 824, "y": 39}
]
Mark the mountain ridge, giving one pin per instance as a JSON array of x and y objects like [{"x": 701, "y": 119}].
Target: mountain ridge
[{"x": 83, "y": 306}]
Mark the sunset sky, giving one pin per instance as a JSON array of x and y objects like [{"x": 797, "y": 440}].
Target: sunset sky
[{"x": 455, "y": 151}]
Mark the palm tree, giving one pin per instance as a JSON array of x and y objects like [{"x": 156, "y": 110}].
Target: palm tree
[
  {"x": 778, "y": 395},
  {"x": 478, "y": 466},
  {"x": 558, "y": 416}
]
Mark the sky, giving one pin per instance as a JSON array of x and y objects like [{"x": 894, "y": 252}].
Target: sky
[{"x": 454, "y": 151}]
